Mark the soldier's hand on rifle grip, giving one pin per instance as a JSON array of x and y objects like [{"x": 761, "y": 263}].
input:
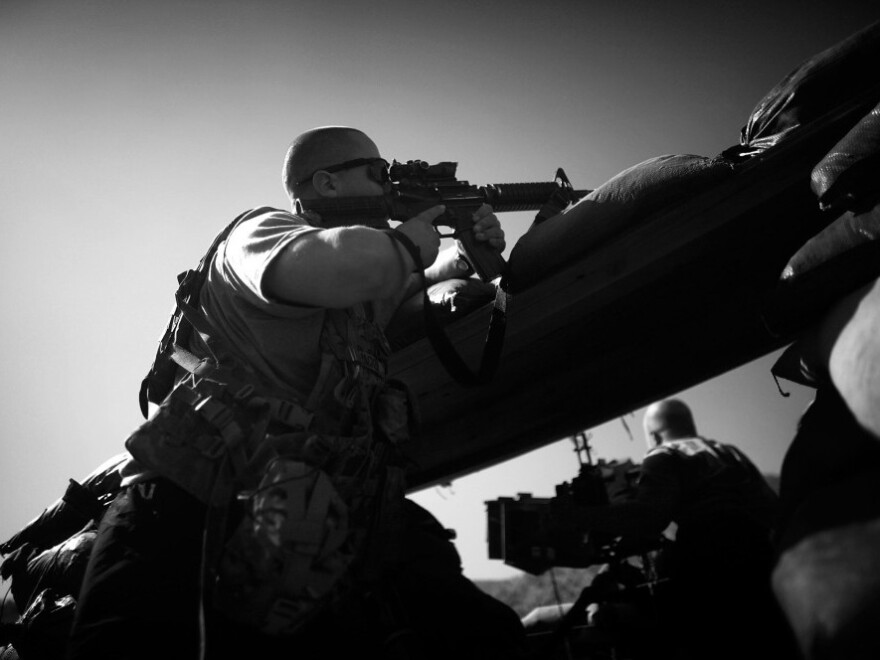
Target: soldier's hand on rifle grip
[
  {"x": 420, "y": 230},
  {"x": 482, "y": 243},
  {"x": 488, "y": 228}
]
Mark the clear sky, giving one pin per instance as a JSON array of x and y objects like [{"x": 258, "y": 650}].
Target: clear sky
[{"x": 133, "y": 131}]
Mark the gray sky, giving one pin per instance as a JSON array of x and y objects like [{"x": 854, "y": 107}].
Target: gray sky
[{"x": 133, "y": 131}]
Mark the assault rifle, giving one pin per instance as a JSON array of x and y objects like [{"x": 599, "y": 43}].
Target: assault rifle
[{"x": 416, "y": 186}]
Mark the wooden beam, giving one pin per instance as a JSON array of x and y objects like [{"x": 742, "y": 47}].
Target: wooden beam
[{"x": 665, "y": 306}]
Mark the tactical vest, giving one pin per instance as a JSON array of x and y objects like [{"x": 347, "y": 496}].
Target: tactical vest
[{"x": 294, "y": 488}]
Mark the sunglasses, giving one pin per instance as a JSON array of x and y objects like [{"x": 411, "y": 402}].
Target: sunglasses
[{"x": 377, "y": 170}]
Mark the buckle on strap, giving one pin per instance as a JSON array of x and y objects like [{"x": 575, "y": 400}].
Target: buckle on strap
[{"x": 290, "y": 413}]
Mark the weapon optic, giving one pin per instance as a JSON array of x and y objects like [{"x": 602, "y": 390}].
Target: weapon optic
[{"x": 416, "y": 186}]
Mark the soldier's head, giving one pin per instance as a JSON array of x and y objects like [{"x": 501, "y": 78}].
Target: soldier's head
[
  {"x": 668, "y": 419},
  {"x": 333, "y": 161}
]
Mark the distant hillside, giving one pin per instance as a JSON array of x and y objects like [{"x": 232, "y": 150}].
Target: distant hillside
[{"x": 526, "y": 592}]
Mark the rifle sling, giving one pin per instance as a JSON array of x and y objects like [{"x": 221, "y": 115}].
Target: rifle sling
[{"x": 449, "y": 357}]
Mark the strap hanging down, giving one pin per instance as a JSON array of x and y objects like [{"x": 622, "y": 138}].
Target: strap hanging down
[{"x": 449, "y": 357}]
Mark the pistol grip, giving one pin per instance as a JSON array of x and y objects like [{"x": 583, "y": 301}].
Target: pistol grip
[{"x": 485, "y": 260}]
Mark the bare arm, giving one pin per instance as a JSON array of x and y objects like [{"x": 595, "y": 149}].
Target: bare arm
[{"x": 343, "y": 266}]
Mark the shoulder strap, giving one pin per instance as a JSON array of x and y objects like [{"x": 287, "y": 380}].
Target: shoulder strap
[{"x": 160, "y": 378}]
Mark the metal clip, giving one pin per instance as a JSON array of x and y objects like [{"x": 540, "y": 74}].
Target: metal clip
[{"x": 290, "y": 413}]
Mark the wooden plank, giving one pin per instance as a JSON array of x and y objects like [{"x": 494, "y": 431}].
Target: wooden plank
[{"x": 592, "y": 340}]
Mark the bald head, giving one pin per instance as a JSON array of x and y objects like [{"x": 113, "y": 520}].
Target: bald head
[
  {"x": 322, "y": 147},
  {"x": 669, "y": 419}
]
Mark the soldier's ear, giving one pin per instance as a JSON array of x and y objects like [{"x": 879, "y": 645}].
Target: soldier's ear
[{"x": 324, "y": 183}]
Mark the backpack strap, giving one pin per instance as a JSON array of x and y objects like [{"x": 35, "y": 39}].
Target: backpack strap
[{"x": 160, "y": 378}]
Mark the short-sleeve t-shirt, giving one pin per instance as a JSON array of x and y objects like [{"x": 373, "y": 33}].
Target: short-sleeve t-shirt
[{"x": 280, "y": 341}]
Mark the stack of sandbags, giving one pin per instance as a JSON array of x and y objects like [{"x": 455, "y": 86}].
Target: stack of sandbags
[
  {"x": 827, "y": 578},
  {"x": 846, "y": 253},
  {"x": 621, "y": 203},
  {"x": 826, "y": 81},
  {"x": 844, "y": 71}
]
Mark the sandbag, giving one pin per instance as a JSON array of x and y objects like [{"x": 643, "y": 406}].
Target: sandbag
[
  {"x": 820, "y": 84},
  {"x": 624, "y": 201},
  {"x": 81, "y": 503},
  {"x": 61, "y": 567},
  {"x": 43, "y": 629},
  {"x": 845, "y": 255},
  {"x": 848, "y": 177},
  {"x": 845, "y": 233},
  {"x": 450, "y": 300},
  {"x": 827, "y": 577},
  {"x": 51, "y": 552},
  {"x": 828, "y": 587}
]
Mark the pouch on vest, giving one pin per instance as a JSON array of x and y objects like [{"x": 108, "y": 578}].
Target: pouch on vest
[
  {"x": 291, "y": 552},
  {"x": 324, "y": 516},
  {"x": 395, "y": 417},
  {"x": 200, "y": 437}
]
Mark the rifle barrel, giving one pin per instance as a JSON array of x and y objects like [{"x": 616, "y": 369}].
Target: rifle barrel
[
  {"x": 507, "y": 197},
  {"x": 503, "y": 197}
]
